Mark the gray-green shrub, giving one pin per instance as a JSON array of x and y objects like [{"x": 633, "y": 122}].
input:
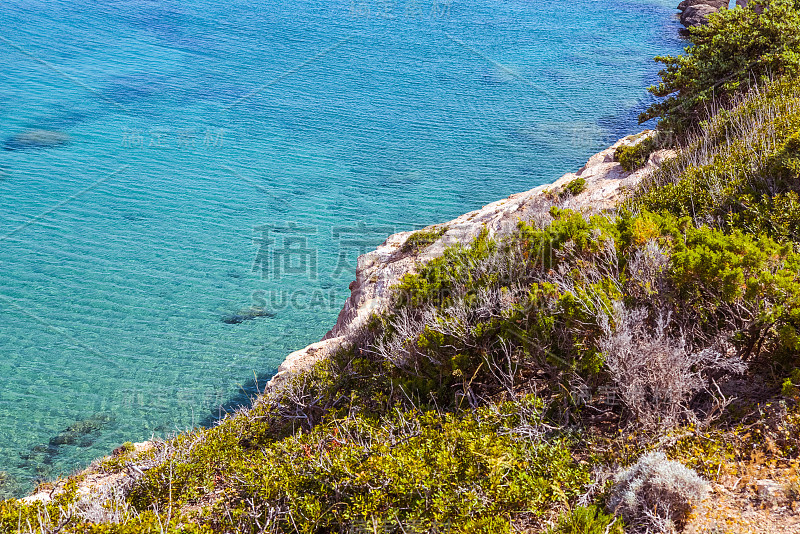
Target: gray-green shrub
[{"x": 656, "y": 494}]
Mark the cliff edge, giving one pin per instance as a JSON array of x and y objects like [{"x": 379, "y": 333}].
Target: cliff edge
[{"x": 378, "y": 271}]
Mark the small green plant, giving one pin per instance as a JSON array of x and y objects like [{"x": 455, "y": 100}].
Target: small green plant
[
  {"x": 422, "y": 239},
  {"x": 574, "y": 188},
  {"x": 791, "y": 386},
  {"x": 119, "y": 458},
  {"x": 587, "y": 520},
  {"x": 634, "y": 157}
]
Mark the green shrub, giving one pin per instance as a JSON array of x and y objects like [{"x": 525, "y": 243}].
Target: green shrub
[
  {"x": 422, "y": 239},
  {"x": 587, "y": 520},
  {"x": 413, "y": 468},
  {"x": 791, "y": 386},
  {"x": 435, "y": 280},
  {"x": 575, "y": 187},
  {"x": 60, "y": 515},
  {"x": 742, "y": 170},
  {"x": 634, "y": 157}
]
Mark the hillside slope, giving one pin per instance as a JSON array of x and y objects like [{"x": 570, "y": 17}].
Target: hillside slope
[{"x": 618, "y": 352}]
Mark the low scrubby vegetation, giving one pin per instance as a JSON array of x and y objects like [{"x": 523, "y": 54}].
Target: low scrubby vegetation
[
  {"x": 572, "y": 189},
  {"x": 581, "y": 374},
  {"x": 634, "y": 156},
  {"x": 738, "y": 49},
  {"x": 422, "y": 239},
  {"x": 587, "y": 520},
  {"x": 740, "y": 171}
]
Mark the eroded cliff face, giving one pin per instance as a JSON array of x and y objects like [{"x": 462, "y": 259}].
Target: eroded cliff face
[{"x": 378, "y": 271}]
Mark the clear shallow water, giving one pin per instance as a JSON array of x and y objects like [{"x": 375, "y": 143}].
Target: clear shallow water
[{"x": 182, "y": 128}]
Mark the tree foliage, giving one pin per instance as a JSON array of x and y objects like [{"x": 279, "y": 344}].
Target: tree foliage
[{"x": 736, "y": 50}]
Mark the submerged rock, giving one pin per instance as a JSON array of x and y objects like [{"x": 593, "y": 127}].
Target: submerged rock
[
  {"x": 247, "y": 314},
  {"x": 33, "y": 139},
  {"x": 499, "y": 75},
  {"x": 79, "y": 432},
  {"x": 9, "y": 486},
  {"x": 4, "y": 480}
]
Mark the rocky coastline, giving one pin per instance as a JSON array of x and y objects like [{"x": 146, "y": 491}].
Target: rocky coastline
[
  {"x": 378, "y": 271},
  {"x": 605, "y": 183}
]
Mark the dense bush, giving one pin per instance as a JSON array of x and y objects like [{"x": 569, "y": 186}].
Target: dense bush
[
  {"x": 604, "y": 300},
  {"x": 633, "y": 157},
  {"x": 418, "y": 470},
  {"x": 735, "y": 50},
  {"x": 587, "y": 520},
  {"x": 741, "y": 170}
]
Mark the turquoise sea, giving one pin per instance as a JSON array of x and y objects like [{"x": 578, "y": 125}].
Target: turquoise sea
[{"x": 166, "y": 164}]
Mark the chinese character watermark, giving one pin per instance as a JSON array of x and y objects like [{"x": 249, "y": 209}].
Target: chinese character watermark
[
  {"x": 285, "y": 250},
  {"x": 169, "y": 138},
  {"x": 404, "y": 10},
  {"x": 355, "y": 241}
]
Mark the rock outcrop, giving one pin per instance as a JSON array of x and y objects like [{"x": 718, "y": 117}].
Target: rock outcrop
[
  {"x": 697, "y": 15},
  {"x": 716, "y": 4},
  {"x": 696, "y": 12}
]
